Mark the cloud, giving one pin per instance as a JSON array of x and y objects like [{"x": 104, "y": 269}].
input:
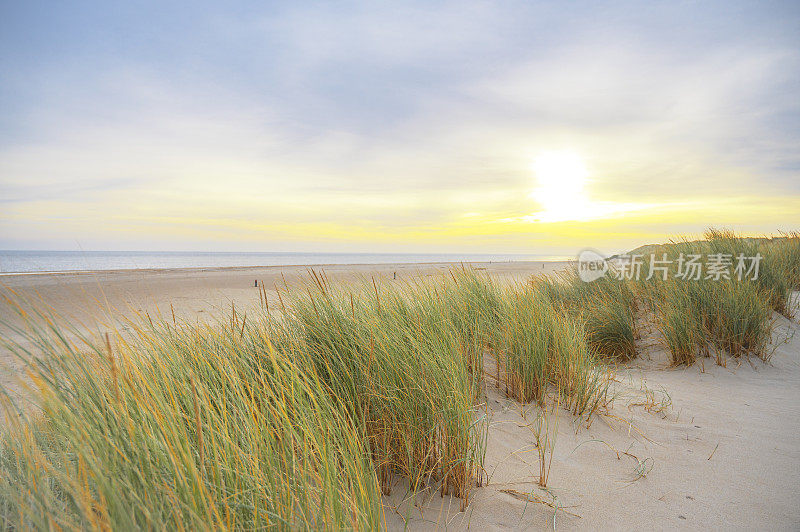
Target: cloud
[{"x": 397, "y": 118}]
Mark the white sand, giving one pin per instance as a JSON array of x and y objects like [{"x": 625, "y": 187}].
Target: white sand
[{"x": 726, "y": 454}]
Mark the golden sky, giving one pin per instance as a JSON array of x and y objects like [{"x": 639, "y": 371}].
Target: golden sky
[{"x": 460, "y": 127}]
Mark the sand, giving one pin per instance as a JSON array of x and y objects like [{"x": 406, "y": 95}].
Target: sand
[
  {"x": 724, "y": 455},
  {"x": 720, "y": 450}
]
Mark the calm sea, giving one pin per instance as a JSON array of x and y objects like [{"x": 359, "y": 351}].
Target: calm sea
[{"x": 63, "y": 261}]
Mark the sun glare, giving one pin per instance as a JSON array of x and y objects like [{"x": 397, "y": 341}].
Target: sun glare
[{"x": 560, "y": 183}]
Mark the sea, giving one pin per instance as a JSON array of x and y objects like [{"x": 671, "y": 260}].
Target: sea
[{"x": 15, "y": 262}]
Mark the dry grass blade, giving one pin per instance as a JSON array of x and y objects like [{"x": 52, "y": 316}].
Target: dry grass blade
[{"x": 534, "y": 498}]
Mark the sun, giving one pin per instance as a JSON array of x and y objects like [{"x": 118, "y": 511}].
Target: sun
[{"x": 561, "y": 178}]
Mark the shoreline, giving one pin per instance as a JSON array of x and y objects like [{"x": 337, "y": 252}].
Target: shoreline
[{"x": 272, "y": 266}]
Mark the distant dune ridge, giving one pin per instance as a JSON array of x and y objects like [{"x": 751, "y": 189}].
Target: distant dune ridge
[{"x": 647, "y": 249}]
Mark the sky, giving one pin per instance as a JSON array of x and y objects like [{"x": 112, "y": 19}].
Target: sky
[{"x": 491, "y": 127}]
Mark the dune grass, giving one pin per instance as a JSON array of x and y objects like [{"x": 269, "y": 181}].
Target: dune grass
[
  {"x": 776, "y": 271},
  {"x": 181, "y": 427},
  {"x": 540, "y": 347},
  {"x": 783, "y": 255},
  {"x": 680, "y": 322},
  {"x": 605, "y": 307},
  {"x": 729, "y": 315},
  {"x": 406, "y": 369},
  {"x": 299, "y": 418}
]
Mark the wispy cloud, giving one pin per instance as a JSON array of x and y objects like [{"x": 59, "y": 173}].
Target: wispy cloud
[{"x": 353, "y": 124}]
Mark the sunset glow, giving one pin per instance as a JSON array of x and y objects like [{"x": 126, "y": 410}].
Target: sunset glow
[
  {"x": 561, "y": 181},
  {"x": 502, "y": 134}
]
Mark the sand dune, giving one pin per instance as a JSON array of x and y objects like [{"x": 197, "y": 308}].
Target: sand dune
[
  {"x": 725, "y": 454},
  {"x": 699, "y": 447}
]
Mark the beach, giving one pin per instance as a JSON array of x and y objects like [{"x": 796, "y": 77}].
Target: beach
[
  {"x": 88, "y": 298},
  {"x": 95, "y": 303},
  {"x": 695, "y": 447}
]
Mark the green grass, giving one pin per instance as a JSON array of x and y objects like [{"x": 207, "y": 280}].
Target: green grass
[
  {"x": 406, "y": 368},
  {"x": 540, "y": 347},
  {"x": 182, "y": 428},
  {"x": 775, "y": 281},
  {"x": 301, "y": 417},
  {"x": 606, "y": 307},
  {"x": 296, "y": 420},
  {"x": 695, "y": 317},
  {"x": 679, "y": 322},
  {"x": 731, "y": 316}
]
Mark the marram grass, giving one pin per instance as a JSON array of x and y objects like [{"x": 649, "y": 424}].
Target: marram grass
[
  {"x": 292, "y": 421},
  {"x": 404, "y": 368},
  {"x": 606, "y": 308},
  {"x": 729, "y": 316},
  {"x": 182, "y": 428},
  {"x": 541, "y": 347},
  {"x": 301, "y": 417}
]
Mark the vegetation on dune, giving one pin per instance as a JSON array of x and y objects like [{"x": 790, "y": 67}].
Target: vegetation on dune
[
  {"x": 729, "y": 313},
  {"x": 301, "y": 417},
  {"x": 182, "y": 428},
  {"x": 539, "y": 346},
  {"x": 406, "y": 369},
  {"x": 775, "y": 274},
  {"x": 606, "y": 308},
  {"x": 298, "y": 419},
  {"x": 731, "y": 316}
]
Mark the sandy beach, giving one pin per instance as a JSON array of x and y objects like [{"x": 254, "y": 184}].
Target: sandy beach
[
  {"x": 94, "y": 303},
  {"x": 698, "y": 447},
  {"x": 90, "y": 298},
  {"x": 400, "y": 265}
]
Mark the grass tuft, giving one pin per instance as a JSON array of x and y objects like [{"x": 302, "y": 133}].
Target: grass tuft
[{"x": 301, "y": 417}]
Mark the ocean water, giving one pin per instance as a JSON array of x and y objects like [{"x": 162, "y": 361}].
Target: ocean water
[{"x": 64, "y": 261}]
